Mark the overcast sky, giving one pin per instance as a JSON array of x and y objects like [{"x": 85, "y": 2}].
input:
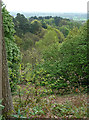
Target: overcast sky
[{"x": 62, "y": 6}]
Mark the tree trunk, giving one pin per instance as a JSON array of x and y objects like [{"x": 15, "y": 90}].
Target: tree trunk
[
  {"x": 5, "y": 86},
  {"x": 6, "y": 90},
  {"x": 0, "y": 55}
]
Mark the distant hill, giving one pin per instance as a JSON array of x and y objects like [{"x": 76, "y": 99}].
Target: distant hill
[{"x": 73, "y": 16}]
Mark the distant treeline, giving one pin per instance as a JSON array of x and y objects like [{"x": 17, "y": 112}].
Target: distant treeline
[
  {"x": 72, "y": 16},
  {"x": 32, "y": 24},
  {"x": 47, "y": 17}
]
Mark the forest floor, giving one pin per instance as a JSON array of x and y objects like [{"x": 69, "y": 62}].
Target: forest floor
[
  {"x": 74, "y": 97},
  {"x": 77, "y": 99}
]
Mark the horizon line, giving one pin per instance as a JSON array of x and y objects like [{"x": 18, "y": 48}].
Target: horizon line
[{"x": 49, "y": 12}]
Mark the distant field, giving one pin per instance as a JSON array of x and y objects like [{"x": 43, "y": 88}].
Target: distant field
[{"x": 73, "y": 16}]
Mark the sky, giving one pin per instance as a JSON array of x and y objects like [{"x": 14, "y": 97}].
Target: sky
[{"x": 61, "y": 6}]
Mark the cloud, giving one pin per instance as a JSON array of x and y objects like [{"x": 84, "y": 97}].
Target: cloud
[{"x": 46, "y": 5}]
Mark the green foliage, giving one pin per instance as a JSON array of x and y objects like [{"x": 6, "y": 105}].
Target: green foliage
[
  {"x": 50, "y": 51},
  {"x": 55, "y": 54},
  {"x": 8, "y": 24},
  {"x": 54, "y": 61},
  {"x": 35, "y": 26},
  {"x": 68, "y": 57},
  {"x": 74, "y": 57},
  {"x": 33, "y": 96},
  {"x": 29, "y": 40},
  {"x": 69, "y": 110},
  {"x": 44, "y": 25},
  {"x": 28, "y": 102},
  {"x": 21, "y": 24},
  {"x": 1, "y": 108},
  {"x": 51, "y": 37},
  {"x": 13, "y": 52},
  {"x": 64, "y": 30},
  {"x": 18, "y": 41},
  {"x": 57, "y": 20}
]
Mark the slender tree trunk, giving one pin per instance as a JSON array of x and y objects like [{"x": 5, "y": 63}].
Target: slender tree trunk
[
  {"x": 6, "y": 90},
  {"x": 0, "y": 55},
  {"x": 4, "y": 80}
]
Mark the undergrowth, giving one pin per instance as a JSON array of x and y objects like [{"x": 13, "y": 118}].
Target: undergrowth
[{"x": 33, "y": 101}]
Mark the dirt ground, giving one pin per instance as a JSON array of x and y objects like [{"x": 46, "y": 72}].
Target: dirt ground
[{"x": 71, "y": 98}]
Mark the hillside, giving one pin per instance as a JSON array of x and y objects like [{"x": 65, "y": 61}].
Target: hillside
[{"x": 47, "y": 63}]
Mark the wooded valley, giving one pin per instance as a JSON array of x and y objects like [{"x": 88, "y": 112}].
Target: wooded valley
[{"x": 47, "y": 65}]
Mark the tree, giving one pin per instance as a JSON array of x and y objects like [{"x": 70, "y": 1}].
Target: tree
[
  {"x": 6, "y": 91},
  {"x": 57, "y": 20},
  {"x": 35, "y": 27},
  {"x": 74, "y": 57},
  {"x": 0, "y": 53},
  {"x": 65, "y": 30},
  {"x": 21, "y": 24},
  {"x": 49, "y": 49},
  {"x": 51, "y": 36}
]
